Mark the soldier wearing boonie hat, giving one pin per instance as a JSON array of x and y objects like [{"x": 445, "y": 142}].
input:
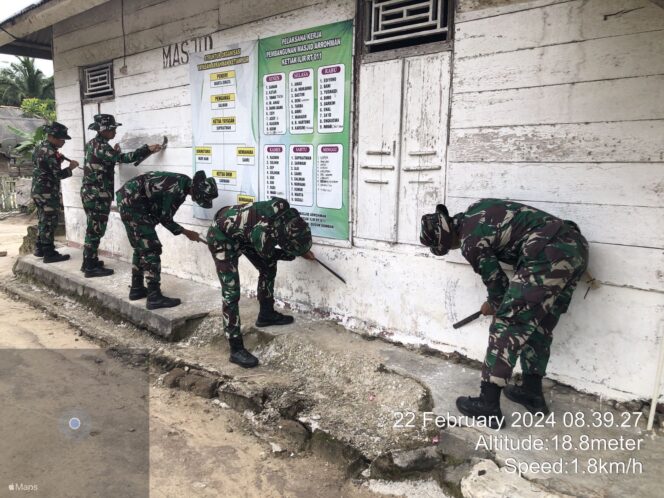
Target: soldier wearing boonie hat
[
  {"x": 97, "y": 187},
  {"x": 46, "y": 177},
  {"x": 265, "y": 232},
  {"x": 145, "y": 202}
]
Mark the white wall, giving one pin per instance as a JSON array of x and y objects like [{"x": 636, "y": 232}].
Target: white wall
[
  {"x": 561, "y": 105},
  {"x": 556, "y": 103}
]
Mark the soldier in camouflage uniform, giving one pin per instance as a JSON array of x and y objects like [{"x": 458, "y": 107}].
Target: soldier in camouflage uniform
[
  {"x": 46, "y": 177},
  {"x": 265, "y": 232},
  {"x": 146, "y": 201},
  {"x": 97, "y": 186},
  {"x": 549, "y": 256}
]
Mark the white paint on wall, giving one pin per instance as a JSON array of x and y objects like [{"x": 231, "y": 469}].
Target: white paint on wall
[{"x": 550, "y": 104}]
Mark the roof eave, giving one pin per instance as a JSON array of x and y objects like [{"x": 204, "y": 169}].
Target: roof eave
[{"x": 17, "y": 34}]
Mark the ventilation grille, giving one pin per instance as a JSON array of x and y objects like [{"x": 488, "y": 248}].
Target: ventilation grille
[
  {"x": 394, "y": 21},
  {"x": 98, "y": 81}
]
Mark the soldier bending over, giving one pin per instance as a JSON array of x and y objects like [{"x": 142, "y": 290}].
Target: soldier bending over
[
  {"x": 549, "y": 256},
  {"x": 144, "y": 202},
  {"x": 265, "y": 232}
]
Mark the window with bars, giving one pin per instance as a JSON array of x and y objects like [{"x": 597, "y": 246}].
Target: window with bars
[
  {"x": 394, "y": 24},
  {"x": 97, "y": 81}
]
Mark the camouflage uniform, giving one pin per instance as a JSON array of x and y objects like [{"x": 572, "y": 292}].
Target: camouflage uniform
[
  {"x": 46, "y": 176},
  {"x": 144, "y": 202},
  {"x": 98, "y": 181},
  {"x": 255, "y": 230},
  {"x": 549, "y": 256}
]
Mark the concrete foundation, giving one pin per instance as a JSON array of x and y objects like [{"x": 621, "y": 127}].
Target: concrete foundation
[
  {"x": 110, "y": 294},
  {"x": 384, "y": 411}
]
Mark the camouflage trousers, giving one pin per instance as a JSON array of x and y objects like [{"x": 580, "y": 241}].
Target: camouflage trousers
[
  {"x": 539, "y": 293},
  {"x": 97, "y": 207},
  {"x": 226, "y": 253},
  {"x": 47, "y": 216},
  {"x": 143, "y": 238}
]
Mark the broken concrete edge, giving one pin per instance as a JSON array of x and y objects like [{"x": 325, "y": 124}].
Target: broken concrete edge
[
  {"x": 448, "y": 462},
  {"x": 447, "y": 471},
  {"x": 371, "y": 331},
  {"x": 108, "y": 306},
  {"x": 263, "y": 337},
  {"x": 426, "y": 402},
  {"x": 214, "y": 384},
  {"x": 224, "y": 385}
]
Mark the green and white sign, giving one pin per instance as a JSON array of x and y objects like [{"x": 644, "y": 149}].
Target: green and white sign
[
  {"x": 224, "y": 122},
  {"x": 272, "y": 118},
  {"x": 305, "y": 96}
]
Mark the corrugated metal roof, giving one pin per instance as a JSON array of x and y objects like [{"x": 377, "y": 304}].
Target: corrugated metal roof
[
  {"x": 33, "y": 5},
  {"x": 37, "y": 44}
]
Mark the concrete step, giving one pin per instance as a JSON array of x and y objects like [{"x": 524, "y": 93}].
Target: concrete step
[
  {"x": 111, "y": 294},
  {"x": 371, "y": 402}
]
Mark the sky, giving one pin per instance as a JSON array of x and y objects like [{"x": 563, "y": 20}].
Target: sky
[{"x": 7, "y": 9}]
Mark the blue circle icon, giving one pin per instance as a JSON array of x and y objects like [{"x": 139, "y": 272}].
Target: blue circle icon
[{"x": 74, "y": 423}]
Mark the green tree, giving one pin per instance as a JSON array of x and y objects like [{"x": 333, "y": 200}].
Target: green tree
[
  {"x": 23, "y": 80},
  {"x": 44, "y": 109},
  {"x": 39, "y": 108}
]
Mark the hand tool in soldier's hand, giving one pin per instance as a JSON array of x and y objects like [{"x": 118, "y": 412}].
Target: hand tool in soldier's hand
[
  {"x": 164, "y": 144},
  {"x": 467, "y": 320},
  {"x": 69, "y": 160},
  {"x": 330, "y": 270}
]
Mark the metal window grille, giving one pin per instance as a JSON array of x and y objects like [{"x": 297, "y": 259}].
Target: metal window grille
[
  {"x": 405, "y": 22},
  {"x": 98, "y": 81}
]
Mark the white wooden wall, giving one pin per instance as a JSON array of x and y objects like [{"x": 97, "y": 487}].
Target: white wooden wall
[
  {"x": 556, "y": 103},
  {"x": 562, "y": 106},
  {"x": 152, "y": 101}
]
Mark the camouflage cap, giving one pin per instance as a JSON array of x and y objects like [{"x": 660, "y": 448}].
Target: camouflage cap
[
  {"x": 58, "y": 130},
  {"x": 203, "y": 190},
  {"x": 104, "y": 122},
  {"x": 436, "y": 231},
  {"x": 295, "y": 234}
]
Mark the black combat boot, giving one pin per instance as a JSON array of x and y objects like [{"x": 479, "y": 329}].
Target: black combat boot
[
  {"x": 267, "y": 316},
  {"x": 53, "y": 256},
  {"x": 39, "y": 252},
  {"x": 97, "y": 262},
  {"x": 529, "y": 394},
  {"x": 486, "y": 406},
  {"x": 157, "y": 300},
  {"x": 137, "y": 290},
  {"x": 240, "y": 355},
  {"x": 91, "y": 269}
]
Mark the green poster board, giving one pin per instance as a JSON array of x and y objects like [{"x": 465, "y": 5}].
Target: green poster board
[{"x": 304, "y": 81}]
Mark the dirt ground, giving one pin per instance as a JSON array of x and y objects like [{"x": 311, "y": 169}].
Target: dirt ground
[{"x": 195, "y": 447}]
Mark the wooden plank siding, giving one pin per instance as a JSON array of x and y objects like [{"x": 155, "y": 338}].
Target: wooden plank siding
[
  {"x": 561, "y": 105},
  {"x": 558, "y": 23},
  {"x": 150, "y": 100}
]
